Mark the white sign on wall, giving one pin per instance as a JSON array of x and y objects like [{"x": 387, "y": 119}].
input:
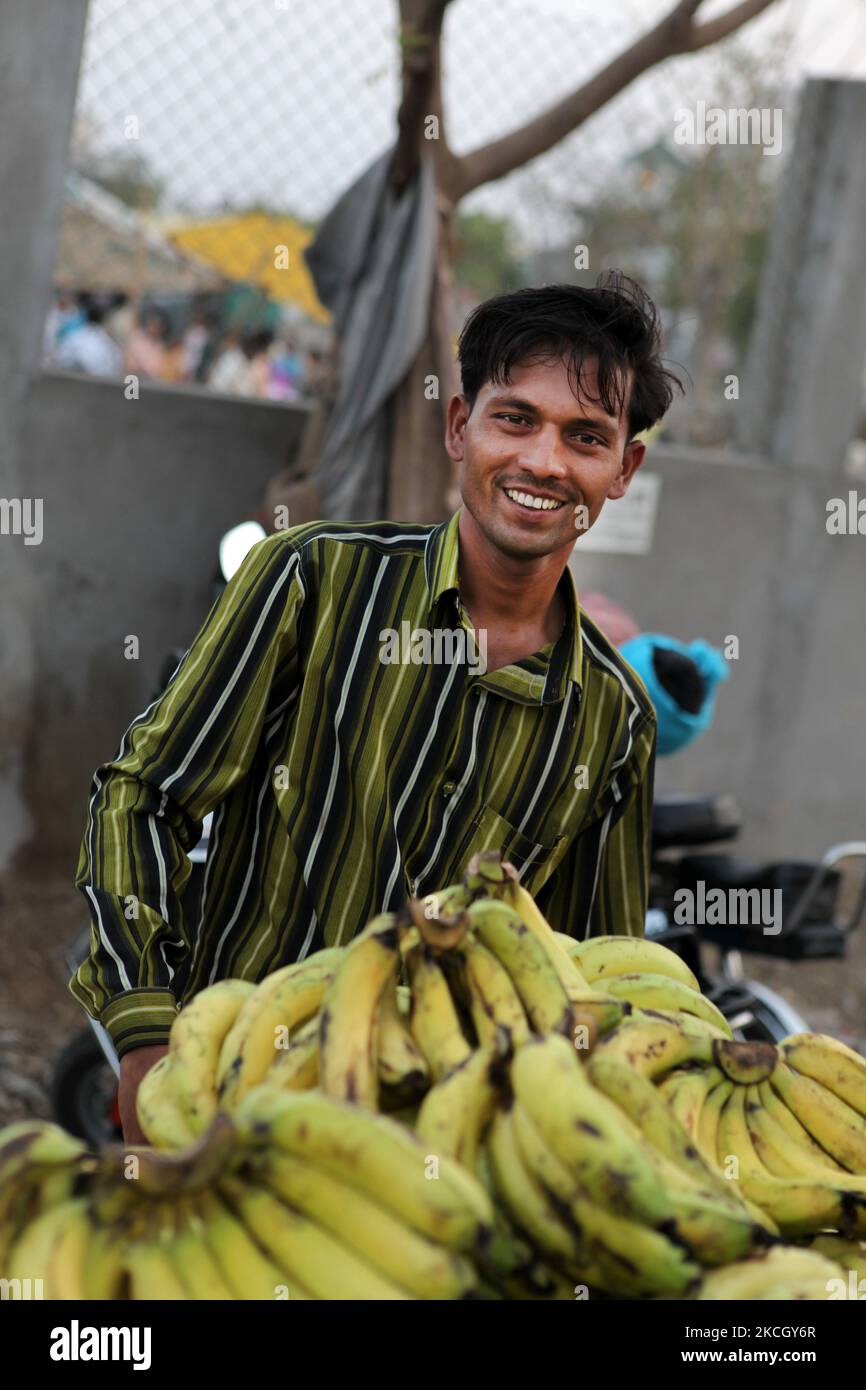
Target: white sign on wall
[{"x": 627, "y": 524}]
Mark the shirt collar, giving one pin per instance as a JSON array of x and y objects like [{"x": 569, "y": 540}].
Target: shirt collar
[{"x": 441, "y": 558}]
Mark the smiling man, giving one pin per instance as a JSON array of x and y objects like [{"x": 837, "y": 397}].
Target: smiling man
[{"x": 342, "y": 780}]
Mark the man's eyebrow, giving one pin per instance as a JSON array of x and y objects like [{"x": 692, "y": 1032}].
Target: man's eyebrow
[{"x": 596, "y": 422}]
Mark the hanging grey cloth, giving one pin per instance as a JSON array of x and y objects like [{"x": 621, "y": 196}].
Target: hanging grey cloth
[{"x": 372, "y": 262}]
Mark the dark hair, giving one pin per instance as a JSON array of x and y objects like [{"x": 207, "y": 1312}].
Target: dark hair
[{"x": 615, "y": 322}]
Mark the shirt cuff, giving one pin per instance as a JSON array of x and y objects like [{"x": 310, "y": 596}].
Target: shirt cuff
[{"x": 139, "y": 1018}]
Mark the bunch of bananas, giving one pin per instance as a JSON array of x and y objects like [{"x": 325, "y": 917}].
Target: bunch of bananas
[
  {"x": 789, "y": 1129},
  {"x": 297, "y": 1196},
  {"x": 460, "y": 1103}
]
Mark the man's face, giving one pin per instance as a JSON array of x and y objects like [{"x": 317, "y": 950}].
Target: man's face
[{"x": 535, "y": 438}]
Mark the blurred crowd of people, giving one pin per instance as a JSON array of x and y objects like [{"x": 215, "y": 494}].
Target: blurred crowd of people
[{"x": 105, "y": 336}]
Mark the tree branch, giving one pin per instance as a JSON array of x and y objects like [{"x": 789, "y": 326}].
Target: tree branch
[
  {"x": 420, "y": 42},
  {"x": 676, "y": 33}
]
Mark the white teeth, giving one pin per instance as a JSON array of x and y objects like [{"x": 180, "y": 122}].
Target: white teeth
[{"x": 546, "y": 504}]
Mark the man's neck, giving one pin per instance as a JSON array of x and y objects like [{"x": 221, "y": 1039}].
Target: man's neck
[{"x": 505, "y": 594}]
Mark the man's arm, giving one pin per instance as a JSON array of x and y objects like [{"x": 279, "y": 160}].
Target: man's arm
[
  {"x": 601, "y": 888},
  {"x": 176, "y": 762}
]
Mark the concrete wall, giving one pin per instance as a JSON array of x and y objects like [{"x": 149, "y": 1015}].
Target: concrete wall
[
  {"x": 136, "y": 496},
  {"x": 718, "y": 561}
]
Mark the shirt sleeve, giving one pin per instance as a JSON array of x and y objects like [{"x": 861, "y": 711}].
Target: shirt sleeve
[
  {"x": 177, "y": 761},
  {"x": 601, "y": 888}
]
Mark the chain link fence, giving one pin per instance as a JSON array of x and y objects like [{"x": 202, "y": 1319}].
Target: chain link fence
[{"x": 211, "y": 136}]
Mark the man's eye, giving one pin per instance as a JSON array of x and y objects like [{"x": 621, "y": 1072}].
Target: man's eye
[
  {"x": 518, "y": 419},
  {"x": 587, "y": 438}
]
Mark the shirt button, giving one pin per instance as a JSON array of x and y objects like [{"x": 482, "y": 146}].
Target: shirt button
[{"x": 449, "y": 788}]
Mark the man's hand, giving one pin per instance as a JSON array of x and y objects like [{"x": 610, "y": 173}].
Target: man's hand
[{"x": 133, "y": 1067}]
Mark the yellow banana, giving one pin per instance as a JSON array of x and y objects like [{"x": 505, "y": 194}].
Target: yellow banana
[
  {"x": 601, "y": 957},
  {"x": 31, "y": 1144},
  {"x": 246, "y": 1269},
  {"x": 67, "y": 1263},
  {"x": 707, "y": 1138},
  {"x": 614, "y": 1254},
  {"x": 837, "y": 1067},
  {"x": 159, "y": 1112},
  {"x": 374, "y": 1154},
  {"x": 525, "y": 1200},
  {"x": 640, "y": 1101},
  {"x": 754, "y": 1278},
  {"x": 832, "y": 1123},
  {"x": 773, "y": 1146},
  {"x": 598, "y": 1145},
  {"x": 799, "y": 1206},
  {"x": 456, "y": 1111},
  {"x": 493, "y": 1001},
  {"x": 29, "y": 1266},
  {"x": 848, "y": 1254},
  {"x": 197, "y": 1036},
  {"x": 656, "y": 1046},
  {"x": 410, "y": 1261},
  {"x": 434, "y": 1022},
  {"x": 104, "y": 1274},
  {"x": 684, "y": 1092},
  {"x": 401, "y": 1062},
  {"x": 153, "y": 1277},
  {"x": 541, "y": 992},
  {"x": 190, "y": 1256},
  {"x": 280, "y": 1004},
  {"x": 348, "y": 1028},
  {"x": 786, "y": 1120},
  {"x": 652, "y": 991},
  {"x": 309, "y": 1254},
  {"x": 297, "y": 1067}
]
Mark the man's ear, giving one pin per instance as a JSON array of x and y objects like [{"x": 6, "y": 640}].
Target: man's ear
[
  {"x": 458, "y": 413},
  {"x": 632, "y": 458}
]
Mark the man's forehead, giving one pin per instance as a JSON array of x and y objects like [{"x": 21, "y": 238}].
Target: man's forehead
[{"x": 533, "y": 381}]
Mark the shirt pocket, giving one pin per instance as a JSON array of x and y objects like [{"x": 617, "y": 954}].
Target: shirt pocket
[{"x": 534, "y": 860}]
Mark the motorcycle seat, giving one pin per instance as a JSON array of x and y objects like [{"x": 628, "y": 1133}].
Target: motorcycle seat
[{"x": 680, "y": 818}]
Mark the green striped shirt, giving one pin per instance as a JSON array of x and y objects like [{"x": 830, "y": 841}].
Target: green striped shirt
[{"x": 341, "y": 782}]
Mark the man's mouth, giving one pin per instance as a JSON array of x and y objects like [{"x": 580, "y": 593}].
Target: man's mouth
[{"x": 533, "y": 501}]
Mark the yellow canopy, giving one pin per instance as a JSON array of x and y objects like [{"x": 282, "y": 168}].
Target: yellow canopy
[{"x": 258, "y": 248}]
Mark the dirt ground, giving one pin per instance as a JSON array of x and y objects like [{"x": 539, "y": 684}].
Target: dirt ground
[{"x": 38, "y": 1015}]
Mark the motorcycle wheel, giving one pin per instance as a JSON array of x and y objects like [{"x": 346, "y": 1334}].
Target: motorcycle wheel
[{"x": 84, "y": 1090}]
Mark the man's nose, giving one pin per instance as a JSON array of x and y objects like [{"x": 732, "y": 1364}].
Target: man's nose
[{"x": 545, "y": 453}]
